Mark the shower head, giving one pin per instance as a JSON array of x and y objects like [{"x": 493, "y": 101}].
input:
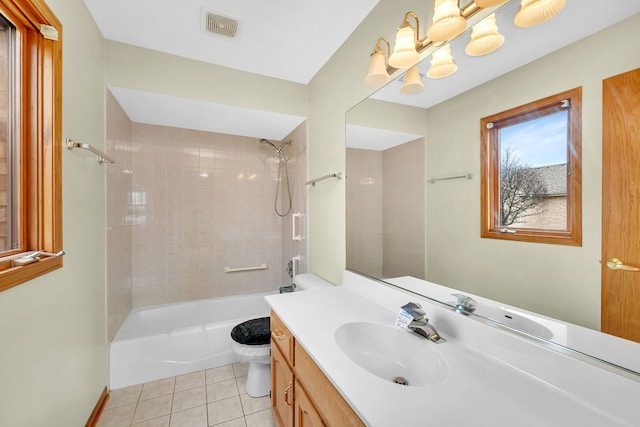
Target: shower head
[
  {"x": 266, "y": 141},
  {"x": 277, "y": 149}
]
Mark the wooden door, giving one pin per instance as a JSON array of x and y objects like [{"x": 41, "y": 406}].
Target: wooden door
[
  {"x": 281, "y": 389},
  {"x": 621, "y": 206}
]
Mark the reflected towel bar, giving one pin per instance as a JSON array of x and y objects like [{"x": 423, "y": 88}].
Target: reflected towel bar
[
  {"x": 102, "y": 158},
  {"x": 467, "y": 176},
  {"x": 235, "y": 270},
  {"x": 322, "y": 178}
]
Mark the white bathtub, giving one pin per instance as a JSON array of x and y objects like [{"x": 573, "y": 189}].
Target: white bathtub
[{"x": 174, "y": 339}]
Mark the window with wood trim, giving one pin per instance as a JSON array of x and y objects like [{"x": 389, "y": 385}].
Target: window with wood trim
[
  {"x": 531, "y": 172},
  {"x": 30, "y": 140}
]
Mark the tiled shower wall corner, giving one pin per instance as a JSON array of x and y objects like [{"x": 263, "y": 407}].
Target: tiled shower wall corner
[
  {"x": 297, "y": 164},
  {"x": 119, "y": 243},
  {"x": 198, "y": 202},
  {"x": 364, "y": 211}
]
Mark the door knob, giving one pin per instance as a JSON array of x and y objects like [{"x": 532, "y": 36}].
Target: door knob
[{"x": 616, "y": 264}]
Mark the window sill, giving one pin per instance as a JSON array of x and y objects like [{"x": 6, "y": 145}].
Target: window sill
[{"x": 13, "y": 276}]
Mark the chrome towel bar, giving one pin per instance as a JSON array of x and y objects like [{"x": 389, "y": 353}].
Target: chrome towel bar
[
  {"x": 322, "y": 178},
  {"x": 467, "y": 176},
  {"x": 102, "y": 157}
]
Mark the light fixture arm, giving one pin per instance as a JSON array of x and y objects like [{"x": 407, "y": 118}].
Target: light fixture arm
[
  {"x": 405, "y": 23},
  {"x": 378, "y": 47}
]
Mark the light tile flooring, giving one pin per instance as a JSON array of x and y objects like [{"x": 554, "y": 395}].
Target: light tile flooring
[{"x": 215, "y": 397}]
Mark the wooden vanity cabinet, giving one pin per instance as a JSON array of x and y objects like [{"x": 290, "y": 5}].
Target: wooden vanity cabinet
[{"x": 301, "y": 395}]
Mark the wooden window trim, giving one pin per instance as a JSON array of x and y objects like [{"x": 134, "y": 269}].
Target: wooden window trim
[
  {"x": 41, "y": 142},
  {"x": 490, "y": 170}
]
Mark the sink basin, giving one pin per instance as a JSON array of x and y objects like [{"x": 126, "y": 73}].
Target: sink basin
[
  {"x": 392, "y": 354},
  {"x": 513, "y": 319}
]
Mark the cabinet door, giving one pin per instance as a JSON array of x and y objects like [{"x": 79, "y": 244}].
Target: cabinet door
[
  {"x": 306, "y": 414},
  {"x": 282, "y": 384},
  {"x": 283, "y": 338}
]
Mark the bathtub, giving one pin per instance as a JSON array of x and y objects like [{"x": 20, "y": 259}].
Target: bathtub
[{"x": 174, "y": 339}]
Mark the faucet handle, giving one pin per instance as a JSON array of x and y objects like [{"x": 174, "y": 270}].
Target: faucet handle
[
  {"x": 414, "y": 310},
  {"x": 465, "y": 304}
]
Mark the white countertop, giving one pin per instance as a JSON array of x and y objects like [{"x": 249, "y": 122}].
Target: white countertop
[{"x": 494, "y": 378}]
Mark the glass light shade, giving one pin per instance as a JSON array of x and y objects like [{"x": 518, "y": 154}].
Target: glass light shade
[
  {"x": 489, "y": 3},
  {"x": 404, "y": 52},
  {"x": 447, "y": 22},
  {"x": 412, "y": 81},
  {"x": 485, "y": 37},
  {"x": 377, "y": 75},
  {"x": 534, "y": 12},
  {"x": 442, "y": 64}
]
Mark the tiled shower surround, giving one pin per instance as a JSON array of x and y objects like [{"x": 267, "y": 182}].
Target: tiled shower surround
[
  {"x": 385, "y": 226},
  {"x": 199, "y": 202}
]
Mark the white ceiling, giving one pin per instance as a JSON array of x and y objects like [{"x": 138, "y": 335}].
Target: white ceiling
[
  {"x": 376, "y": 139},
  {"x": 285, "y": 39}
]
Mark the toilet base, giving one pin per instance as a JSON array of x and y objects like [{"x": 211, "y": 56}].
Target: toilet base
[{"x": 258, "y": 379}]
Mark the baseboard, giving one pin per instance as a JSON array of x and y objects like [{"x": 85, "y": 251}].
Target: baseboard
[{"x": 95, "y": 415}]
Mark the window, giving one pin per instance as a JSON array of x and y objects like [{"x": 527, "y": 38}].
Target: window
[
  {"x": 30, "y": 139},
  {"x": 531, "y": 172}
]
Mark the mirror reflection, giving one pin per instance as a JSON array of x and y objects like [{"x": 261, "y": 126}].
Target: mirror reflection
[{"x": 420, "y": 211}]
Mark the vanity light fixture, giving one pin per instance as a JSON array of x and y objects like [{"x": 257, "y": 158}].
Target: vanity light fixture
[
  {"x": 408, "y": 45},
  {"x": 378, "y": 75},
  {"x": 534, "y": 12},
  {"x": 442, "y": 64},
  {"x": 412, "y": 81},
  {"x": 447, "y": 21},
  {"x": 485, "y": 37},
  {"x": 405, "y": 54}
]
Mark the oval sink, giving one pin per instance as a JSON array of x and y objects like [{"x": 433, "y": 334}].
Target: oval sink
[
  {"x": 392, "y": 354},
  {"x": 514, "y": 320}
]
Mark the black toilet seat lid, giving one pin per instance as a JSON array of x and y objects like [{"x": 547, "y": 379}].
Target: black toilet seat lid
[{"x": 252, "y": 332}]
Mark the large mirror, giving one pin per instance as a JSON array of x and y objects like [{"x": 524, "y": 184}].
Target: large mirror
[{"x": 413, "y": 164}]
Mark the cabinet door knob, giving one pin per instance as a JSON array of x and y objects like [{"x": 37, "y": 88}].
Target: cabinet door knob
[
  {"x": 286, "y": 394},
  {"x": 277, "y": 335}
]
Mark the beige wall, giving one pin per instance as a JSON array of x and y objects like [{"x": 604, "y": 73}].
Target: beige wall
[
  {"x": 146, "y": 70},
  {"x": 52, "y": 360},
  {"x": 543, "y": 278}
]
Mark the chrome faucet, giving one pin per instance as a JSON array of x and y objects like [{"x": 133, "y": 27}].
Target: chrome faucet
[
  {"x": 420, "y": 324},
  {"x": 465, "y": 304},
  {"x": 424, "y": 328}
]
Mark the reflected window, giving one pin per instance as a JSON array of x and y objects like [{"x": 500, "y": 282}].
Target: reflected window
[{"x": 531, "y": 171}]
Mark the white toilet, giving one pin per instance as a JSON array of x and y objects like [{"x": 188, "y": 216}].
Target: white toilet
[{"x": 251, "y": 341}]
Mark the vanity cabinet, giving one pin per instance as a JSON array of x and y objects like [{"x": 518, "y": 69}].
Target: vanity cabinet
[{"x": 301, "y": 395}]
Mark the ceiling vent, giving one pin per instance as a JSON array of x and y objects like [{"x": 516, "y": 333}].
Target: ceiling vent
[{"x": 217, "y": 24}]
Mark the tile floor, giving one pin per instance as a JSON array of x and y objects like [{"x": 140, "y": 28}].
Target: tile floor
[{"x": 215, "y": 397}]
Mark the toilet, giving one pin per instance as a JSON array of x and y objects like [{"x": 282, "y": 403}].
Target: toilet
[{"x": 251, "y": 341}]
